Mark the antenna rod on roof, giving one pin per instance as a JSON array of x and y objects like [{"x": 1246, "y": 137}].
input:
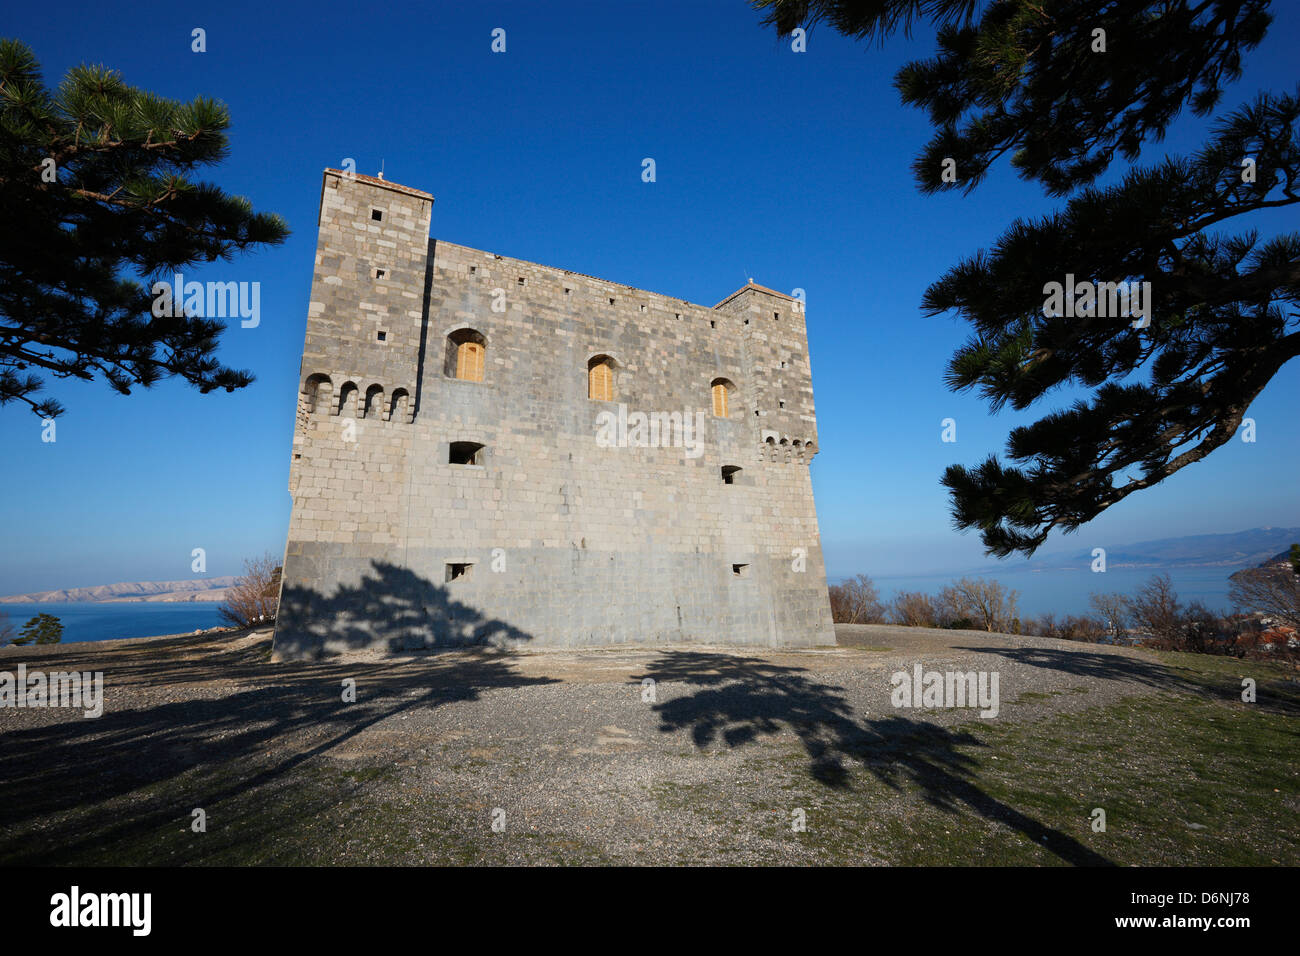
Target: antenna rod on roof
[{"x": 381, "y": 168}]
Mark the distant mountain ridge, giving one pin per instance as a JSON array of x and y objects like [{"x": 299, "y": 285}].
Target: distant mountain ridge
[
  {"x": 1237, "y": 549},
  {"x": 200, "y": 589}
]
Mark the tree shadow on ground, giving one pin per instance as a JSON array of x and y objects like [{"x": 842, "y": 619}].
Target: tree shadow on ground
[
  {"x": 740, "y": 699},
  {"x": 392, "y": 609},
  {"x": 257, "y": 722},
  {"x": 1282, "y": 697},
  {"x": 1097, "y": 665}
]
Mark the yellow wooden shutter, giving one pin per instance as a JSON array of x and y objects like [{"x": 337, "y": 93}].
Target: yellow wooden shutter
[
  {"x": 476, "y": 361},
  {"x": 469, "y": 361},
  {"x": 600, "y": 382},
  {"x": 720, "y": 400}
]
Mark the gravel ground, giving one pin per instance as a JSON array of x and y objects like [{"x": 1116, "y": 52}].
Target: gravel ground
[{"x": 573, "y": 754}]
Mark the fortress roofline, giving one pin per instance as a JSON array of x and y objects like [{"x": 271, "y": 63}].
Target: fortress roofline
[
  {"x": 421, "y": 194},
  {"x": 751, "y": 285},
  {"x": 383, "y": 183},
  {"x": 622, "y": 285}
]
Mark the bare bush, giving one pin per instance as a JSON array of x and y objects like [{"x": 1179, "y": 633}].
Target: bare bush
[
  {"x": 855, "y": 601},
  {"x": 913, "y": 609},
  {"x": 1113, "y": 610},
  {"x": 1273, "y": 591},
  {"x": 1204, "y": 631},
  {"x": 1157, "y": 613},
  {"x": 253, "y": 598},
  {"x": 1081, "y": 627},
  {"x": 979, "y": 602}
]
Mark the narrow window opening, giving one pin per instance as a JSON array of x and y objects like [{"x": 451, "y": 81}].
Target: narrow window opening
[
  {"x": 611, "y": 301},
  {"x": 729, "y": 473},
  {"x": 600, "y": 379},
  {"x": 783, "y": 403},
  {"x": 466, "y": 355},
  {"x": 465, "y": 453},
  {"x": 458, "y": 570},
  {"x": 776, "y": 316},
  {"x": 713, "y": 324},
  {"x": 721, "y": 392}
]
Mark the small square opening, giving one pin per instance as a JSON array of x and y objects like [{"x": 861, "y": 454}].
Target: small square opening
[
  {"x": 458, "y": 570},
  {"x": 740, "y": 570},
  {"x": 465, "y": 453},
  {"x": 473, "y": 270},
  {"x": 381, "y": 336},
  {"x": 729, "y": 473},
  {"x": 377, "y": 215},
  {"x": 611, "y": 301},
  {"x": 380, "y": 273}
]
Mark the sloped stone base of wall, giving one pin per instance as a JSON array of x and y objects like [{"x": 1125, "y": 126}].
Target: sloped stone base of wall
[{"x": 335, "y": 600}]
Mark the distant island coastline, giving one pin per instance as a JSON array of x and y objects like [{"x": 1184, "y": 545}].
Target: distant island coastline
[
  {"x": 1238, "y": 549},
  {"x": 163, "y": 592}
]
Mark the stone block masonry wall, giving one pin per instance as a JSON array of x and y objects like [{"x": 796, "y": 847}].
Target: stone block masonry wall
[{"x": 548, "y": 539}]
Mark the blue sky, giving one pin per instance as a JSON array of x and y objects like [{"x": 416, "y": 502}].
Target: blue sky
[{"x": 790, "y": 168}]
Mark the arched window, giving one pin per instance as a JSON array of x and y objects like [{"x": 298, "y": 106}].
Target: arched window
[
  {"x": 600, "y": 378},
  {"x": 316, "y": 392},
  {"x": 348, "y": 399},
  {"x": 721, "y": 389},
  {"x": 466, "y": 355},
  {"x": 397, "y": 410},
  {"x": 374, "y": 401}
]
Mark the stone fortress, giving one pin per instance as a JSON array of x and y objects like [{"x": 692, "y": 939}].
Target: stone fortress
[{"x": 490, "y": 451}]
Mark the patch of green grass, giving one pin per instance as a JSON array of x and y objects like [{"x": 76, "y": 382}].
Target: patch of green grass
[
  {"x": 1189, "y": 776},
  {"x": 1035, "y": 695}
]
